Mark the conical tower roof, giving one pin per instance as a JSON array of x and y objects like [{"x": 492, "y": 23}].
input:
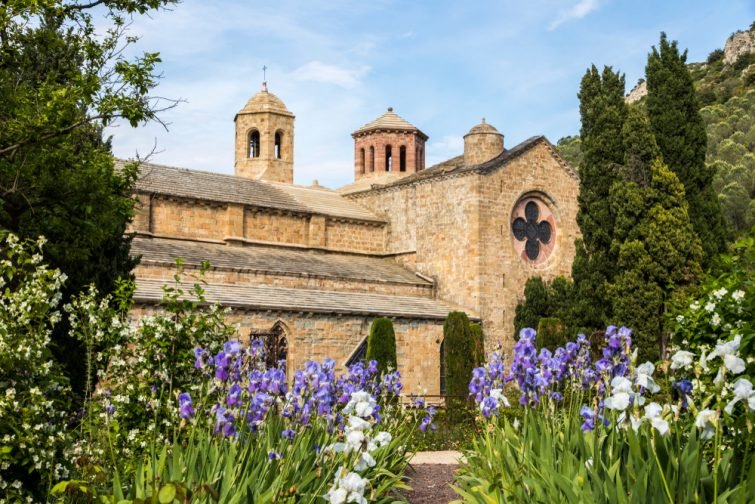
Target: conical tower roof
[
  {"x": 390, "y": 121},
  {"x": 265, "y": 101}
]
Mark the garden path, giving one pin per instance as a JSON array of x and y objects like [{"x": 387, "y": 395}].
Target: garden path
[{"x": 430, "y": 475}]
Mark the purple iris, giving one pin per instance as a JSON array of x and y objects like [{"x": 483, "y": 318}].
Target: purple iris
[
  {"x": 232, "y": 347},
  {"x": 234, "y": 395},
  {"x": 185, "y": 407}
]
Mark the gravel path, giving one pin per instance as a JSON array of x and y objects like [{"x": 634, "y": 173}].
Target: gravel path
[{"x": 430, "y": 483}]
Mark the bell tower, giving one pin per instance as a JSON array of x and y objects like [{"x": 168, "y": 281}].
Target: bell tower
[{"x": 265, "y": 139}]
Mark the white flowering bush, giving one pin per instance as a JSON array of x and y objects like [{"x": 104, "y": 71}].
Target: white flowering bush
[
  {"x": 722, "y": 307},
  {"x": 34, "y": 396}
]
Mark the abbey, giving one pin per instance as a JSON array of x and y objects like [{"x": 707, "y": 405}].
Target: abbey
[{"x": 309, "y": 268}]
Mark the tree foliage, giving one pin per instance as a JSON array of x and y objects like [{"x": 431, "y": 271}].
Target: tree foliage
[
  {"x": 63, "y": 77},
  {"x": 679, "y": 129},
  {"x": 459, "y": 354},
  {"x": 478, "y": 344},
  {"x": 381, "y": 344}
]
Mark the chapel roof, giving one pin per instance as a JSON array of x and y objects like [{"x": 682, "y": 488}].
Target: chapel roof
[
  {"x": 389, "y": 121},
  {"x": 455, "y": 165},
  {"x": 259, "y": 297},
  {"x": 275, "y": 260},
  {"x": 265, "y": 101},
  {"x": 483, "y": 128},
  {"x": 217, "y": 187}
]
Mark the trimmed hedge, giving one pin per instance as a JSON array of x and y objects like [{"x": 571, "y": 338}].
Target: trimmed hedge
[
  {"x": 459, "y": 354},
  {"x": 478, "y": 344},
  {"x": 551, "y": 333},
  {"x": 381, "y": 344}
]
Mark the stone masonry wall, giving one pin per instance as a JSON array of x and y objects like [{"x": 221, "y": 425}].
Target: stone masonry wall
[
  {"x": 189, "y": 219},
  {"x": 503, "y": 272},
  {"x": 341, "y": 235},
  {"x": 318, "y": 336},
  {"x": 379, "y": 141},
  {"x": 266, "y": 166},
  {"x": 279, "y": 228}
]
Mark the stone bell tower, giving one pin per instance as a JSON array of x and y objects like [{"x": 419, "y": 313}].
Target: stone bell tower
[{"x": 265, "y": 139}]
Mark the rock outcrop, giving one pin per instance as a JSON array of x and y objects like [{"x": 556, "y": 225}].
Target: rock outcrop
[{"x": 739, "y": 44}]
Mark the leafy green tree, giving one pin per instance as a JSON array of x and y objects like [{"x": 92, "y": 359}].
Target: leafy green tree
[
  {"x": 61, "y": 82},
  {"x": 551, "y": 333},
  {"x": 381, "y": 344},
  {"x": 536, "y": 304},
  {"x": 570, "y": 148},
  {"x": 679, "y": 130}
]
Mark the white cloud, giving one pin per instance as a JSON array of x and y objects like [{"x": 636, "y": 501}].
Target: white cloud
[
  {"x": 321, "y": 72},
  {"x": 578, "y": 11}
]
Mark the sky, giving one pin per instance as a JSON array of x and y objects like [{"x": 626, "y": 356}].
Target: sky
[{"x": 442, "y": 65}]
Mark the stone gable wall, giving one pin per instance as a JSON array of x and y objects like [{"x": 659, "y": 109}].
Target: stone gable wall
[
  {"x": 503, "y": 271},
  {"x": 316, "y": 337}
]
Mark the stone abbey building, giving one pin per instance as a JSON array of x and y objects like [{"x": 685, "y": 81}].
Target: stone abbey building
[{"x": 309, "y": 268}]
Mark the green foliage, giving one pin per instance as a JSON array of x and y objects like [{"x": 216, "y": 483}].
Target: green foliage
[
  {"x": 35, "y": 398},
  {"x": 536, "y": 304},
  {"x": 61, "y": 81},
  {"x": 551, "y": 333},
  {"x": 679, "y": 130},
  {"x": 381, "y": 344},
  {"x": 458, "y": 345},
  {"x": 455, "y": 431},
  {"x": 715, "y": 55},
  {"x": 722, "y": 306},
  {"x": 658, "y": 254},
  {"x": 478, "y": 343},
  {"x": 549, "y": 459},
  {"x": 570, "y": 148}
]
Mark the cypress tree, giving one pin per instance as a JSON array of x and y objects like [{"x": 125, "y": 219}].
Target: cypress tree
[
  {"x": 603, "y": 113},
  {"x": 679, "y": 130},
  {"x": 381, "y": 344},
  {"x": 478, "y": 344},
  {"x": 534, "y": 306},
  {"x": 459, "y": 355}
]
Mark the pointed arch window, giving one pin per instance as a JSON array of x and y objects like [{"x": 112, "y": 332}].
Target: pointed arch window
[
  {"x": 278, "y": 144},
  {"x": 359, "y": 355},
  {"x": 254, "y": 144}
]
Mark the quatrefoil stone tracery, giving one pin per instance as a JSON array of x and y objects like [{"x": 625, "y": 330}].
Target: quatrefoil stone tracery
[{"x": 532, "y": 231}]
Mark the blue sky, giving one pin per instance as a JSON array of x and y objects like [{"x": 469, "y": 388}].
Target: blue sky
[{"x": 442, "y": 65}]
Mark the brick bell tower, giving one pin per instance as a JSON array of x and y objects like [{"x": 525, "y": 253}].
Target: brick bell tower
[
  {"x": 265, "y": 139},
  {"x": 389, "y": 146}
]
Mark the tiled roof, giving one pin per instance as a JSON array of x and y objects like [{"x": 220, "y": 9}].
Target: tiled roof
[
  {"x": 310, "y": 301},
  {"x": 273, "y": 260},
  {"x": 456, "y": 164},
  {"x": 265, "y": 101},
  {"x": 181, "y": 182},
  {"x": 388, "y": 121}
]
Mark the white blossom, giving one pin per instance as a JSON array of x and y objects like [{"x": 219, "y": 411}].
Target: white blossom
[
  {"x": 681, "y": 359},
  {"x": 706, "y": 420},
  {"x": 742, "y": 392}
]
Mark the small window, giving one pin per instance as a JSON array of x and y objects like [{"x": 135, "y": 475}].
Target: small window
[
  {"x": 361, "y": 160},
  {"x": 278, "y": 141},
  {"x": 402, "y": 158},
  {"x": 254, "y": 144},
  {"x": 443, "y": 368},
  {"x": 372, "y": 159},
  {"x": 359, "y": 355},
  {"x": 388, "y": 158}
]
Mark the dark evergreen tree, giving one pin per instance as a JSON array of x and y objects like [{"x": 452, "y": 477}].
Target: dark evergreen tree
[
  {"x": 478, "y": 344},
  {"x": 551, "y": 333},
  {"x": 679, "y": 130},
  {"x": 603, "y": 113},
  {"x": 381, "y": 344},
  {"x": 534, "y": 306},
  {"x": 459, "y": 355}
]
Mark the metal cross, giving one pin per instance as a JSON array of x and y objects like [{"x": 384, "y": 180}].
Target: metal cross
[{"x": 264, "y": 69}]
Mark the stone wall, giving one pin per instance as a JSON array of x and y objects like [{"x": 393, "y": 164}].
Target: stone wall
[
  {"x": 320, "y": 336},
  {"x": 266, "y": 166},
  {"x": 503, "y": 272},
  {"x": 195, "y": 219}
]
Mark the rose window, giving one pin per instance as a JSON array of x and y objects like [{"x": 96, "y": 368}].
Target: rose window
[{"x": 533, "y": 230}]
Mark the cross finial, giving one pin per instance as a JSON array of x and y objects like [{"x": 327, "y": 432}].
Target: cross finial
[{"x": 264, "y": 73}]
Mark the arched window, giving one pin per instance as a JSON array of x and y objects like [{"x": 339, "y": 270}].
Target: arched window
[
  {"x": 443, "y": 368},
  {"x": 254, "y": 144},
  {"x": 388, "y": 158},
  {"x": 278, "y": 142},
  {"x": 361, "y": 160},
  {"x": 359, "y": 355},
  {"x": 402, "y": 158},
  {"x": 372, "y": 159}
]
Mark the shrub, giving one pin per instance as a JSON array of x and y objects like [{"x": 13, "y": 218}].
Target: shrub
[
  {"x": 715, "y": 55},
  {"x": 381, "y": 344},
  {"x": 458, "y": 344},
  {"x": 551, "y": 333},
  {"x": 478, "y": 344}
]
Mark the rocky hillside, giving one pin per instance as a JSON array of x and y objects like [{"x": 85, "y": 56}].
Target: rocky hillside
[{"x": 725, "y": 85}]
